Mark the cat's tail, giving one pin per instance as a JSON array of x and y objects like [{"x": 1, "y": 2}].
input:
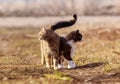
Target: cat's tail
[{"x": 63, "y": 24}]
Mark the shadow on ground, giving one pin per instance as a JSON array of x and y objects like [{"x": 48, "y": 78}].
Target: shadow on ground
[{"x": 91, "y": 65}]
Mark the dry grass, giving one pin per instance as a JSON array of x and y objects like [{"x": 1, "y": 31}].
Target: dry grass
[{"x": 97, "y": 58}]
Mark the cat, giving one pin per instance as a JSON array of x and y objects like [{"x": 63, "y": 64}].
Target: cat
[
  {"x": 67, "y": 47},
  {"x": 49, "y": 42},
  {"x": 67, "y": 44},
  {"x": 45, "y": 43}
]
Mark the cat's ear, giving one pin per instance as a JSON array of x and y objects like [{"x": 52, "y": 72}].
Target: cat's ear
[
  {"x": 42, "y": 28},
  {"x": 77, "y": 31}
]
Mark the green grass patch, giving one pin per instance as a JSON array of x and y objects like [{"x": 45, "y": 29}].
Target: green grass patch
[{"x": 58, "y": 75}]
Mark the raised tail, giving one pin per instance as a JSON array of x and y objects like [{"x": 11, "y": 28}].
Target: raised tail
[{"x": 62, "y": 24}]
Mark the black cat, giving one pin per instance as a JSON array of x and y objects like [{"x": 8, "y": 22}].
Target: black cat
[{"x": 67, "y": 44}]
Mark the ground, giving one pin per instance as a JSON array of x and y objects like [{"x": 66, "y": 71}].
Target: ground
[{"x": 97, "y": 57}]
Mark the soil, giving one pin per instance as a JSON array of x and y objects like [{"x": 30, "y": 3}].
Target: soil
[{"x": 20, "y": 58}]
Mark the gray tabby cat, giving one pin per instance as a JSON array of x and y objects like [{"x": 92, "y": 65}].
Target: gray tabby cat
[{"x": 50, "y": 44}]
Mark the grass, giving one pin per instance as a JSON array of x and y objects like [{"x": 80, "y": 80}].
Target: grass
[
  {"x": 97, "y": 55},
  {"x": 58, "y": 75}
]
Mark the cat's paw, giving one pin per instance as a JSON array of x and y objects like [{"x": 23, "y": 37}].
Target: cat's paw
[
  {"x": 60, "y": 66},
  {"x": 71, "y": 65},
  {"x": 48, "y": 66},
  {"x": 56, "y": 68}
]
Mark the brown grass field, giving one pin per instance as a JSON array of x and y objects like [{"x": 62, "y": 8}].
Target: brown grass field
[{"x": 97, "y": 58}]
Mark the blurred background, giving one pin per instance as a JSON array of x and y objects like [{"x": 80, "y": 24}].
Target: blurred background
[
  {"x": 34, "y": 13},
  {"x": 97, "y": 57},
  {"x": 58, "y": 7}
]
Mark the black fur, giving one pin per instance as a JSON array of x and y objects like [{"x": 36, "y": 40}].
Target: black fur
[
  {"x": 65, "y": 48},
  {"x": 64, "y": 23},
  {"x": 74, "y": 35}
]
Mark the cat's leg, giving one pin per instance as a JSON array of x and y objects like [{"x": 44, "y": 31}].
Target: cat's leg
[
  {"x": 51, "y": 61},
  {"x": 71, "y": 63},
  {"x": 42, "y": 59},
  {"x": 60, "y": 63},
  {"x": 55, "y": 61},
  {"x": 42, "y": 53},
  {"x": 55, "y": 64},
  {"x": 47, "y": 60}
]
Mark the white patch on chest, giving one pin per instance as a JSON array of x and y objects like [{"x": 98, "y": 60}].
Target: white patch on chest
[
  {"x": 72, "y": 44},
  {"x": 71, "y": 64}
]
